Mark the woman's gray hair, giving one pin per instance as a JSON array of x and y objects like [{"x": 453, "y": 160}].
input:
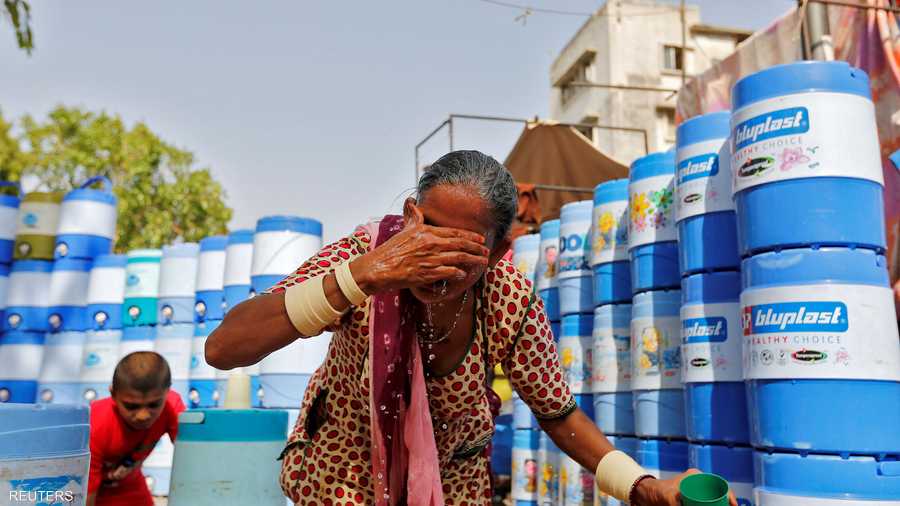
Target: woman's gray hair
[{"x": 488, "y": 176}]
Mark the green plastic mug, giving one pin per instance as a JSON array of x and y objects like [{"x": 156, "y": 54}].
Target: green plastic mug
[{"x": 704, "y": 490}]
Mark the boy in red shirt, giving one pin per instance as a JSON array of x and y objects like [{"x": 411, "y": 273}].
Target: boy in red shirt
[{"x": 126, "y": 426}]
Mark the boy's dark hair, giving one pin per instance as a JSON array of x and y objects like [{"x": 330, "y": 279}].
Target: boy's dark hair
[{"x": 143, "y": 371}]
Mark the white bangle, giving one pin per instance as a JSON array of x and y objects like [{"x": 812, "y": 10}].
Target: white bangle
[
  {"x": 307, "y": 306},
  {"x": 617, "y": 473},
  {"x": 348, "y": 285}
]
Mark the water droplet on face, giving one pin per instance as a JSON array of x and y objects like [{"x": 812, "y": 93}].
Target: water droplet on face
[
  {"x": 390, "y": 368},
  {"x": 431, "y": 357},
  {"x": 384, "y": 408}
]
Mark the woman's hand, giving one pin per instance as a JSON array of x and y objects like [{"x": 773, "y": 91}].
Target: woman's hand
[
  {"x": 652, "y": 492},
  {"x": 419, "y": 255}
]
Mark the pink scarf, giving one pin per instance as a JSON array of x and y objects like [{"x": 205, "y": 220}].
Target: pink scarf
[{"x": 404, "y": 455}]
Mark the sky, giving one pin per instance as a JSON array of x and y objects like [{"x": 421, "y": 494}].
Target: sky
[{"x": 310, "y": 108}]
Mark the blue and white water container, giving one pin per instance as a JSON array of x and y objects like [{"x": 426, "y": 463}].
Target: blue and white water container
[
  {"x": 174, "y": 343},
  {"x": 44, "y": 454},
  {"x": 21, "y": 354},
  {"x": 735, "y": 464},
  {"x": 60, "y": 378},
  {"x": 629, "y": 445},
  {"x": 157, "y": 467},
  {"x": 714, "y": 393},
  {"x": 548, "y": 461},
  {"x": 106, "y": 292},
  {"x": 609, "y": 243},
  {"x": 238, "y": 261},
  {"x": 9, "y": 211},
  {"x": 284, "y": 374},
  {"x": 137, "y": 339},
  {"x": 210, "y": 295},
  {"x": 800, "y": 179},
  {"x": 704, "y": 210},
  {"x": 27, "y": 296},
  {"x": 656, "y": 364},
  {"x": 575, "y": 349},
  {"x": 576, "y": 484},
  {"x": 546, "y": 281},
  {"x": 526, "y": 250},
  {"x": 69, "y": 282},
  {"x": 98, "y": 362},
  {"x": 523, "y": 418},
  {"x": 141, "y": 287},
  {"x": 575, "y": 277},
  {"x": 821, "y": 337},
  {"x": 280, "y": 245},
  {"x": 652, "y": 236},
  {"x": 790, "y": 479},
  {"x": 525, "y": 467},
  {"x": 4, "y": 291},
  {"x": 87, "y": 221},
  {"x": 177, "y": 283},
  {"x": 202, "y": 392},
  {"x": 663, "y": 459},
  {"x": 611, "y": 369}
]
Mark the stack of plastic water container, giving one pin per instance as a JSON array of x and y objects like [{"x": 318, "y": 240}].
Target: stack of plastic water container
[
  {"x": 175, "y": 319},
  {"x": 822, "y": 357},
  {"x": 655, "y": 326},
  {"x": 280, "y": 245},
  {"x": 715, "y": 405},
  {"x": 209, "y": 311},
  {"x": 105, "y": 296},
  {"x": 237, "y": 289},
  {"x": 611, "y": 351}
]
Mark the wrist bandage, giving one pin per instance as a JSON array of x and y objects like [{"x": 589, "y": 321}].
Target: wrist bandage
[
  {"x": 617, "y": 473},
  {"x": 348, "y": 285},
  {"x": 308, "y": 308}
]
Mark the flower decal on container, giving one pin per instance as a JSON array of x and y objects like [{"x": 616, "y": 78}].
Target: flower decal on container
[{"x": 651, "y": 209}]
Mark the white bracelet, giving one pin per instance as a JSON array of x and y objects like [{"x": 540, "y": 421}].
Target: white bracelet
[
  {"x": 308, "y": 308},
  {"x": 617, "y": 473},
  {"x": 348, "y": 285}
]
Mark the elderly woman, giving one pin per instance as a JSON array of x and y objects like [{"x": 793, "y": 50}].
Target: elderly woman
[{"x": 422, "y": 306}]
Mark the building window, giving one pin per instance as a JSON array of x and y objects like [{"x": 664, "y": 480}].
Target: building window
[
  {"x": 666, "y": 117},
  {"x": 673, "y": 58},
  {"x": 578, "y": 74}
]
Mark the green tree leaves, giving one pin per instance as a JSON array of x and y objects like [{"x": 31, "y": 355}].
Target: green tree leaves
[
  {"x": 161, "y": 196},
  {"x": 18, "y": 12}
]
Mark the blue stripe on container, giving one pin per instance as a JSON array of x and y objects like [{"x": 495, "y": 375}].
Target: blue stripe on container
[
  {"x": 706, "y": 127},
  {"x": 292, "y": 223},
  {"x": 800, "y": 77}
]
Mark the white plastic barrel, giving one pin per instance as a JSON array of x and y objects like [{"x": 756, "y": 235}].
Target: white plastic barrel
[
  {"x": 9, "y": 211},
  {"x": 526, "y": 250},
  {"x": 238, "y": 261},
  {"x": 545, "y": 274},
  {"x": 280, "y": 245},
  {"x": 141, "y": 287},
  {"x": 36, "y": 226},
  {"x": 21, "y": 354},
  {"x": 652, "y": 236},
  {"x": 575, "y": 290},
  {"x": 27, "y": 296},
  {"x": 285, "y": 373},
  {"x": 106, "y": 292},
  {"x": 87, "y": 222},
  {"x": 576, "y": 350},
  {"x": 173, "y": 342},
  {"x": 548, "y": 471},
  {"x": 202, "y": 393},
  {"x": 210, "y": 298},
  {"x": 44, "y": 454},
  {"x": 177, "y": 283},
  {"x": 60, "y": 378},
  {"x": 69, "y": 282},
  {"x": 525, "y": 467},
  {"x": 98, "y": 362}
]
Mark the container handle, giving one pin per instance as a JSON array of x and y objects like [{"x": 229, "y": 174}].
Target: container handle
[
  {"x": 12, "y": 184},
  {"x": 107, "y": 184}
]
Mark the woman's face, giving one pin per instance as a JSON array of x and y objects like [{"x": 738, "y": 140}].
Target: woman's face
[{"x": 456, "y": 206}]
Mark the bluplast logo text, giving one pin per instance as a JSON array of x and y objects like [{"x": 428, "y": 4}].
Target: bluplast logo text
[
  {"x": 818, "y": 316},
  {"x": 704, "y": 330},
  {"x": 698, "y": 167},
  {"x": 794, "y": 120}
]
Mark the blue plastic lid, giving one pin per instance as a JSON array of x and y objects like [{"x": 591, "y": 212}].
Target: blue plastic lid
[
  {"x": 555, "y": 330},
  {"x": 711, "y": 287},
  {"x": 611, "y": 191},
  {"x": 29, "y": 431},
  {"x": 550, "y": 229},
  {"x": 72, "y": 264},
  {"x": 815, "y": 266},
  {"x": 9, "y": 201},
  {"x": 141, "y": 333},
  {"x": 291, "y": 223},
  {"x": 828, "y": 476},
  {"x": 144, "y": 255},
  {"x": 22, "y": 337},
  {"x": 733, "y": 464},
  {"x": 575, "y": 211},
  {"x": 4, "y": 269},
  {"x": 526, "y": 438},
  {"x": 213, "y": 243},
  {"x": 526, "y": 242},
  {"x": 575, "y": 325},
  {"x": 175, "y": 331},
  {"x": 656, "y": 303},
  {"x": 206, "y": 327},
  {"x": 707, "y": 127},
  {"x": 181, "y": 250},
  {"x": 800, "y": 77},
  {"x": 92, "y": 195},
  {"x": 663, "y": 455},
  {"x": 654, "y": 164},
  {"x": 110, "y": 261},
  {"x": 32, "y": 266},
  {"x": 629, "y": 445},
  {"x": 232, "y": 425},
  {"x": 242, "y": 236},
  {"x": 613, "y": 315}
]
